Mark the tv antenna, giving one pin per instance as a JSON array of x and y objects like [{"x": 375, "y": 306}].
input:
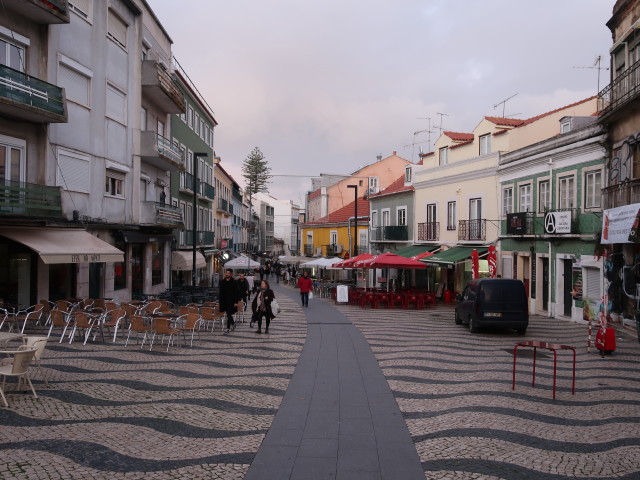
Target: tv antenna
[
  {"x": 441, "y": 115},
  {"x": 504, "y": 103},
  {"x": 414, "y": 143},
  {"x": 596, "y": 66}
]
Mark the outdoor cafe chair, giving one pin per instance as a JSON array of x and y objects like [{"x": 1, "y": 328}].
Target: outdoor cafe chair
[
  {"x": 384, "y": 298},
  {"x": 38, "y": 344},
  {"x": 189, "y": 323},
  {"x": 162, "y": 326},
  {"x": 83, "y": 323},
  {"x": 4, "y": 315},
  {"x": 211, "y": 315},
  {"x": 396, "y": 299},
  {"x": 413, "y": 298},
  {"x": 369, "y": 298},
  {"x": 32, "y": 314},
  {"x": 138, "y": 326},
  {"x": 16, "y": 365},
  {"x": 58, "y": 319},
  {"x": 114, "y": 320}
]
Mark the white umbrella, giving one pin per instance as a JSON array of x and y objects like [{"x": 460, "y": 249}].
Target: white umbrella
[{"x": 241, "y": 262}]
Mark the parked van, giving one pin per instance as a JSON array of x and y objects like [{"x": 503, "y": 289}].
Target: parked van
[{"x": 493, "y": 302}]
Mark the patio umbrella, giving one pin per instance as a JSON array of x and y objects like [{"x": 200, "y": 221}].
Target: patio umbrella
[
  {"x": 350, "y": 263},
  {"x": 492, "y": 261},
  {"x": 390, "y": 260},
  {"x": 475, "y": 264},
  {"x": 421, "y": 255}
]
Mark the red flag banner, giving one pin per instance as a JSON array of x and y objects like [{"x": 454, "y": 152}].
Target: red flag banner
[
  {"x": 475, "y": 264},
  {"x": 493, "y": 261}
]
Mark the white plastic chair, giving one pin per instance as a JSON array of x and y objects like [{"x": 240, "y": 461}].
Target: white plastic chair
[
  {"x": 17, "y": 366},
  {"x": 38, "y": 344}
]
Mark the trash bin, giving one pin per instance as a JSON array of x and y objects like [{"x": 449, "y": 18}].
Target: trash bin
[{"x": 447, "y": 296}]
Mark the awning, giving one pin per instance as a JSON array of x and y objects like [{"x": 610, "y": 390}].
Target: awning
[
  {"x": 182, "y": 260},
  {"x": 453, "y": 255},
  {"x": 135, "y": 236},
  {"x": 414, "y": 250},
  {"x": 64, "y": 245}
]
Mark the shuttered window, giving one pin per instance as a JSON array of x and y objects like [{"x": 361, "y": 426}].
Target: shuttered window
[
  {"x": 77, "y": 85},
  {"x": 84, "y": 8},
  {"x": 73, "y": 171},
  {"x": 116, "y": 104},
  {"x": 593, "y": 283},
  {"x": 117, "y": 29}
]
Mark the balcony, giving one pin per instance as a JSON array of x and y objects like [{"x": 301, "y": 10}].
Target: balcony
[
  {"x": 158, "y": 214},
  {"x": 208, "y": 191},
  {"x": 224, "y": 206},
  {"x": 237, "y": 195},
  {"x": 160, "y": 88},
  {"x": 626, "y": 193},
  {"x": 30, "y": 200},
  {"x": 203, "y": 238},
  {"x": 429, "y": 232},
  {"x": 331, "y": 250},
  {"x": 472, "y": 230},
  {"x": 390, "y": 233},
  {"x": 158, "y": 151},
  {"x": 28, "y": 98},
  {"x": 308, "y": 249},
  {"x": 44, "y": 12},
  {"x": 624, "y": 89}
]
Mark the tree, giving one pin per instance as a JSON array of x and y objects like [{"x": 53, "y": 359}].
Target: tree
[{"x": 256, "y": 172}]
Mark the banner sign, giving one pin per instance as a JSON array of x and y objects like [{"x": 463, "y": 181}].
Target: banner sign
[
  {"x": 558, "y": 222},
  {"x": 618, "y": 224},
  {"x": 517, "y": 223}
]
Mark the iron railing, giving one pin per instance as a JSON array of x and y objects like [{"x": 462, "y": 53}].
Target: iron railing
[
  {"x": 622, "y": 90},
  {"x": 390, "y": 233},
  {"x": 625, "y": 193},
  {"x": 472, "y": 229},
  {"x": 30, "y": 91},
  {"x": 203, "y": 238},
  {"x": 208, "y": 191},
  {"x": 28, "y": 199},
  {"x": 308, "y": 249},
  {"x": 429, "y": 231},
  {"x": 169, "y": 150}
]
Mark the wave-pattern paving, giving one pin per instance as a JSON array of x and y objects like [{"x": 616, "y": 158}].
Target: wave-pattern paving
[
  {"x": 454, "y": 390},
  {"x": 115, "y": 412}
]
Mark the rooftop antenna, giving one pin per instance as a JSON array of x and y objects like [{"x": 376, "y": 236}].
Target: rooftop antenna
[
  {"x": 596, "y": 66},
  {"x": 504, "y": 103},
  {"x": 441, "y": 115},
  {"x": 414, "y": 143},
  {"x": 428, "y": 130}
]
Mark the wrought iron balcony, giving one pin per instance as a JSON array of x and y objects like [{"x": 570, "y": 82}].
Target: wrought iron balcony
[
  {"x": 224, "y": 206},
  {"x": 44, "y": 12},
  {"x": 28, "y": 98},
  {"x": 390, "y": 233},
  {"x": 331, "y": 250},
  {"x": 429, "y": 231},
  {"x": 625, "y": 193},
  {"x": 624, "y": 89},
  {"x": 29, "y": 200},
  {"x": 158, "y": 151},
  {"x": 160, "y": 88},
  {"x": 472, "y": 229},
  {"x": 308, "y": 249},
  {"x": 203, "y": 238},
  {"x": 156, "y": 213}
]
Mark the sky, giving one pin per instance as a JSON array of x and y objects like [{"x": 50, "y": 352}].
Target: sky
[{"x": 325, "y": 86}]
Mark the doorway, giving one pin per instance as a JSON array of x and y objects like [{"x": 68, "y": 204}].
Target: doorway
[
  {"x": 62, "y": 281},
  {"x": 545, "y": 283},
  {"x": 95, "y": 280},
  {"x": 137, "y": 270},
  {"x": 567, "y": 285}
]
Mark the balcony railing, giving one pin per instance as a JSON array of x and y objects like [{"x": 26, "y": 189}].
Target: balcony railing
[
  {"x": 156, "y": 213},
  {"x": 208, "y": 191},
  {"x": 308, "y": 249},
  {"x": 160, "y": 152},
  {"x": 626, "y": 193},
  {"x": 472, "y": 229},
  {"x": 390, "y": 233},
  {"x": 224, "y": 206},
  {"x": 30, "y": 200},
  {"x": 237, "y": 195},
  {"x": 521, "y": 223},
  {"x": 429, "y": 231},
  {"x": 331, "y": 250},
  {"x": 621, "y": 91},
  {"x": 158, "y": 84},
  {"x": 29, "y": 98},
  {"x": 203, "y": 238}
]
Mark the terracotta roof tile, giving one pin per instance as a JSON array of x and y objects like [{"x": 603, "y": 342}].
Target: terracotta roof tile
[
  {"x": 423, "y": 155},
  {"x": 345, "y": 213},
  {"x": 505, "y": 122},
  {"x": 459, "y": 136},
  {"x": 461, "y": 144},
  {"x": 397, "y": 186}
]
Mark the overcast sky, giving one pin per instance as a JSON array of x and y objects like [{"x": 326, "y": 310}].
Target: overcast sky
[{"x": 324, "y": 86}]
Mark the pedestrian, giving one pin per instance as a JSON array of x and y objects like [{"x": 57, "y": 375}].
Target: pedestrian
[
  {"x": 229, "y": 297},
  {"x": 278, "y": 272},
  {"x": 262, "y": 271},
  {"x": 249, "y": 278},
  {"x": 305, "y": 285},
  {"x": 267, "y": 271},
  {"x": 243, "y": 288},
  {"x": 257, "y": 278},
  {"x": 261, "y": 307}
]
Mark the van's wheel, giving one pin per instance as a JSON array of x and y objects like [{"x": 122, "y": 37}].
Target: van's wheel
[
  {"x": 457, "y": 318},
  {"x": 473, "y": 326}
]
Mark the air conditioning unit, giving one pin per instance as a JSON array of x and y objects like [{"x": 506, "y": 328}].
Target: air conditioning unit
[{"x": 319, "y": 251}]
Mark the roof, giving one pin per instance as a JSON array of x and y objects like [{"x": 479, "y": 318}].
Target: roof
[
  {"x": 397, "y": 186},
  {"x": 542, "y": 115},
  {"x": 505, "y": 122},
  {"x": 459, "y": 136},
  {"x": 342, "y": 215}
]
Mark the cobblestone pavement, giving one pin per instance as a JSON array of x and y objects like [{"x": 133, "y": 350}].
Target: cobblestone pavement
[
  {"x": 454, "y": 390},
  {"x": 125, "y": 413}
]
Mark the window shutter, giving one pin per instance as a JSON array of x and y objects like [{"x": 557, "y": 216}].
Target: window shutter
[
  {"x": 76, "y": 84},
  {"x": 593, "y": 283},
  {"x": 117, "y": 29},
  {"x": 73, "y": 172},
  {"x": 116, "y": 104}
]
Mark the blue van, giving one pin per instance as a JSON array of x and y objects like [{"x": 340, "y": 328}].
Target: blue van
[{"x": 493, "y": 302}]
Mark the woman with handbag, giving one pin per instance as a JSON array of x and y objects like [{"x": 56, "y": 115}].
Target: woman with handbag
[{"x": 261, "y": 307}]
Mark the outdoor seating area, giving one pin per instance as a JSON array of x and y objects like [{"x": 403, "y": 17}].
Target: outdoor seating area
[{"x": 376, "y": 298}]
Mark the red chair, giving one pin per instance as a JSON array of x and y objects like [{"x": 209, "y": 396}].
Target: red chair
[
  {"x": 369, "y": 299},
  {"x": 429, "y": 299},
  {"x": 384, "y": 298},
  {"x": 413, "y": 298},
  {"x": 354, "y": 296},
  {"x": 396, "y": 299}
]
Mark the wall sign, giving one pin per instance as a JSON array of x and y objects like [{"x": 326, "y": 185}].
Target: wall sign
[
  {"x": 517, "y": 223},
  {"x": 558, "y": 222}
]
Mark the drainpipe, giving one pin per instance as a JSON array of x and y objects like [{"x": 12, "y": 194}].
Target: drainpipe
[{"x": 551, "y": 263}]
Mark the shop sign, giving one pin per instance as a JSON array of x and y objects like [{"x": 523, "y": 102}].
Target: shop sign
[{"x": 558, "y": 222}]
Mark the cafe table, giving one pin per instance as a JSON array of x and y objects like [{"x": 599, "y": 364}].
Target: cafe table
[{"x": 8, "y": 336}]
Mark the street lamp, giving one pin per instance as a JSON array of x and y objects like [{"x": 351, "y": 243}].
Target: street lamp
[
  {"x": 194, "y": 171},
  {"x": 355, "y": 220}
]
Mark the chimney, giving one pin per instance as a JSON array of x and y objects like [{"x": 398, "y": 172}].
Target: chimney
[
  {"x": 394, "y": 152},
  {"x": 379, "y": 157}
]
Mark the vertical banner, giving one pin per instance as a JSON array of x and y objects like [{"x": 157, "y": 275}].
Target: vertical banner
[
  {"x": 534, "y": 273},
  {"x": 475, "y": 264},
  {"x": 492, "y": 260}
]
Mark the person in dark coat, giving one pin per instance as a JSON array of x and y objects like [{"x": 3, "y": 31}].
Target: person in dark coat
[
  {"x": 243, "y": 288},
  {"x": 229, "y": 297},
  {"x": 261, "y": 306}
]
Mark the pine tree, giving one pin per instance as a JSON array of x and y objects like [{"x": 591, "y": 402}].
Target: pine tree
[{"x": 256, "y": 172}]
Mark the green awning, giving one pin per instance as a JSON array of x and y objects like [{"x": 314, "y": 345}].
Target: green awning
[
  {"x": 453, "y": 255},
  {"x": 414, "y": 250}
]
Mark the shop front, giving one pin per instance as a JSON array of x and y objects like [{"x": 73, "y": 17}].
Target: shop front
[{"x": 453, "y": 268}]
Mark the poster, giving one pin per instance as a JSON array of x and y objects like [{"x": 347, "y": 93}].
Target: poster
[
  {"x": 576, "y": 290},
  {"x": 617, "y": 224}
]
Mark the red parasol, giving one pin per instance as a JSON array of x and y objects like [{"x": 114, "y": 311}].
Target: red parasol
[
  {"x": 421, "y": 255},
  {"x": 475, "y": 264},
  {"x": 390, "y": 260},
  {"x": 491, "y": 258},
  {"x": 350, "y": 263}
]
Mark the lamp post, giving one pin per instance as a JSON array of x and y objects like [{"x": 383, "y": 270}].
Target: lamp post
[
  {"x": 194, "y": 172},
  {"x": 355, "y": 219}
]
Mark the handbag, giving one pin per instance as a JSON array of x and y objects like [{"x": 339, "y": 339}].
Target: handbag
[
  {"x": 275, "y": 307},
  {"x": 310, "y": 295}
]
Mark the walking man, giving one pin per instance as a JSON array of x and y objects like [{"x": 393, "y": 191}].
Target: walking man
[
  {"x": 244, "y": 289},
  {"x": 305, "y": 285},
  {"x": 229, "y": 297}
]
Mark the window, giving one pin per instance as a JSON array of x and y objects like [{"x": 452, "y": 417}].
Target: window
[
  {"x": 333, "y": 237},
  {"x": 73, "y": 171},
  {"x": 373, "y": 185},
  {"x": 507, "y": 200},
  {"x": 119, "y": 269},
  {"x": 82, "y": 8},
  {"x": 402, "y": 217},
  {"x": 385, "y": 218},
  {"x": 114, "y": 183},
  {"x": 197, "y": 124},
  {"x": 407, "y": 174},
  {"x": 160, "y": 128},
  {"x": 12, "y": 159},
  {"x": 565, "y": 192},
  {"x": 117, "y": 29},
  {"x": 475, "y": 209},
  {"x": 11, "y": 54},
  {"x": 116, "y": 104},
  {"x": 443, "y": 156},
  {"x": 190, "y": 117},
  {"x": 524, "y": 198},
  {"x": 485, "y": 144},
  {"x": 592, "y": 189},
  {"x": 431, "y": 213},
  {"x": 544, "y": 196},
  {"x": 157, "y": 262},
  {"x": 76, "y": 82},
  {"x": 565, "y": 127},
  {"x": 374, "y": 218},
  {"x": 451, "y": 216}
]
